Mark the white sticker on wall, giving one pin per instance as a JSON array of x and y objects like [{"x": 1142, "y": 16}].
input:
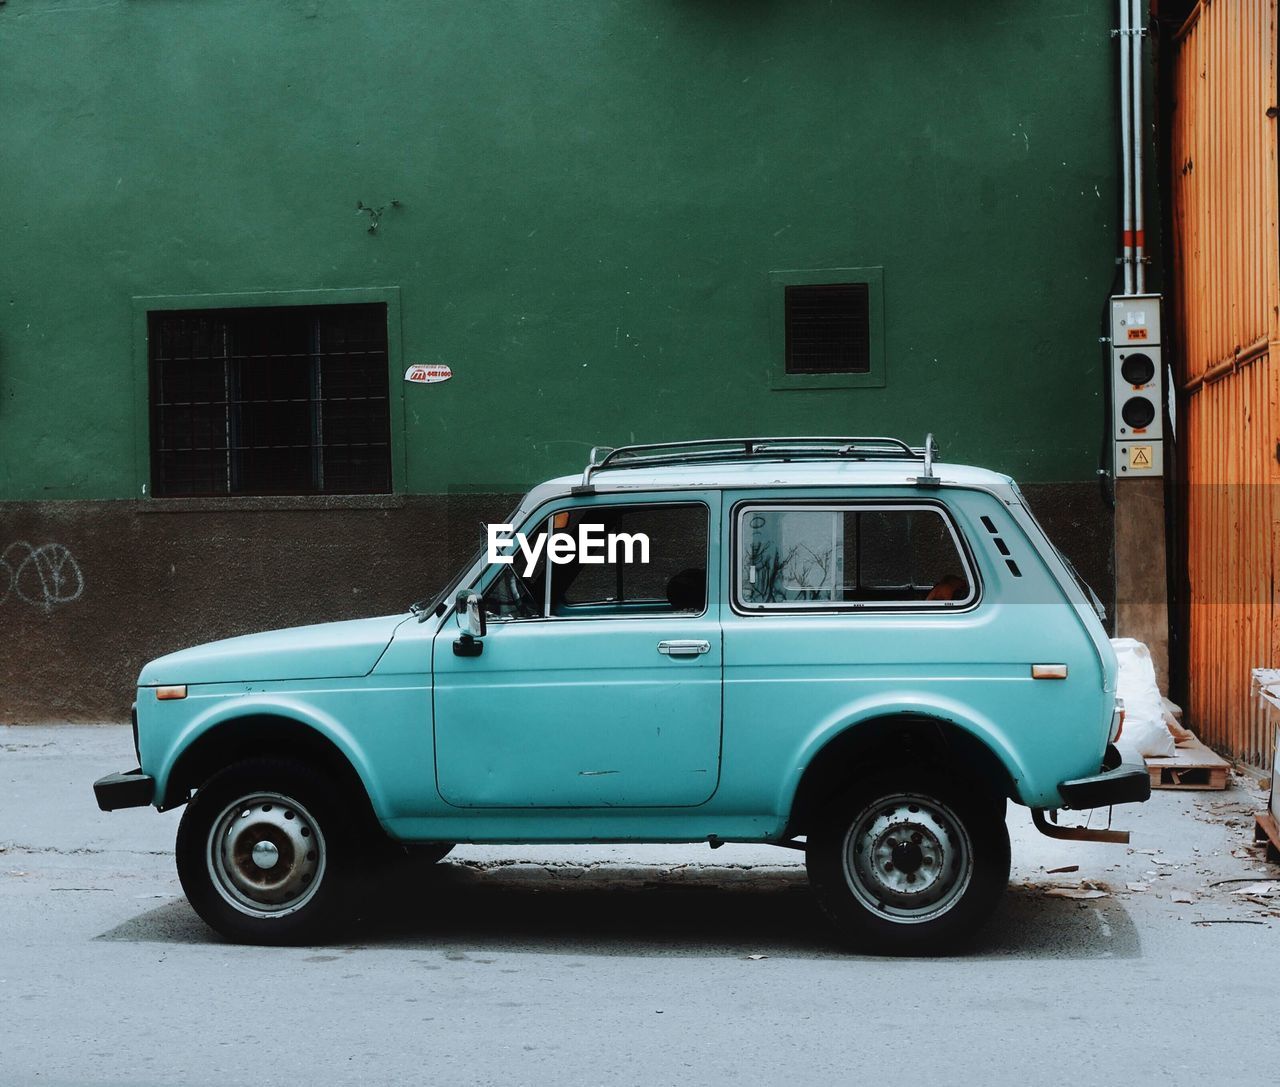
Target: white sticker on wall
[{"x": 428, "y": 374}]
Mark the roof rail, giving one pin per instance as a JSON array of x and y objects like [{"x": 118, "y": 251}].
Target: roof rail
[{"x": 730, "y": 449}]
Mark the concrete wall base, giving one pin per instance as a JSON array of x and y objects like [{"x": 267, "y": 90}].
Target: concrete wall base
[{"x": 1142, "y": 608}]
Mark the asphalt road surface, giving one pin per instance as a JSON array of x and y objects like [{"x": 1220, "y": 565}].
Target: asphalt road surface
[{"x": 634, "y": 965}]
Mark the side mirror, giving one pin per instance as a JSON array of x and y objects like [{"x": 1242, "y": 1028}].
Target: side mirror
[{"x": 470, "y": 608}]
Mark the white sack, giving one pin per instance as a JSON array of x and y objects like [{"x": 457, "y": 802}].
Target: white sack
[{"x": 1145, "y": 732}]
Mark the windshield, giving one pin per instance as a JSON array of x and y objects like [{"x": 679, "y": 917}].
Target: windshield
[{"x": 435, "y": 605}]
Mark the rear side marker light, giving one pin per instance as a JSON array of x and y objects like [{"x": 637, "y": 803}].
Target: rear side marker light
[
  {"x": 166, "y": 694},
  {"x": 1048, "y": 671}
]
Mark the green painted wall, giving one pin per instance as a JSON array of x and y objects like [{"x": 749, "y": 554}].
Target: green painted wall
[{"x": 593, "y": 194}]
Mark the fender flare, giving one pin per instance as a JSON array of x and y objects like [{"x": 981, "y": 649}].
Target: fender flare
[
  {"x": 297, "y": 711},
  {"x": 903, "y": 704}
]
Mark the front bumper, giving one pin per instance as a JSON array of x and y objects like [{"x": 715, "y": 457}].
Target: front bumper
[
  {"x": 133, "y": 789},
  {"x": 1119, "y": 783}
]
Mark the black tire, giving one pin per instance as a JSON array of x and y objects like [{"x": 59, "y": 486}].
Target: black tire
[
  {"x": 267, "y": 852},
  {"x": 908, "y": 863}
]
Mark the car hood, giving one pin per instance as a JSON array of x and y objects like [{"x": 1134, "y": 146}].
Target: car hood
[{"x": 324, "y": 651}]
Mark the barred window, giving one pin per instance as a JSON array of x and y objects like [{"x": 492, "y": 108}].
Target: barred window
[
  {"x": 269, "y": 400},
  {"x": 828, "y": 329}
]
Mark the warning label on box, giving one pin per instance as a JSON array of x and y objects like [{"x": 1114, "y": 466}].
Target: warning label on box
[{"x": 1140, "y": 457}]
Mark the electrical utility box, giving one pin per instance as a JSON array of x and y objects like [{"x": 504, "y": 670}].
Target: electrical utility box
[{"x": 1137, "y": 408}]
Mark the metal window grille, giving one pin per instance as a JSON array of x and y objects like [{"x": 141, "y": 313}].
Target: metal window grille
[
  {"x": 828, "y": 329},
  {"x": 270, "y": 400}
]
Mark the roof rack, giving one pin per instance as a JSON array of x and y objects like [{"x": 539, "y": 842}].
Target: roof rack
[{"x": 731, "y": 449}]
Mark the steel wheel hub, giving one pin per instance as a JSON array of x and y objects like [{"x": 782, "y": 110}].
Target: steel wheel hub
[
  {"x": 266, "y": 854},
  {"x": 908, "y": 857}
]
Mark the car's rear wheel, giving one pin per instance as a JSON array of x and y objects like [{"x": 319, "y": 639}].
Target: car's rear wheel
[
  {"x": 266, "y": 853},
  {"x": 908, "y": 863}
]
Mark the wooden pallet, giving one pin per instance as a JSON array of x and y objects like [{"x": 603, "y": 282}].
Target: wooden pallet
[{"x": 1193, "y": 766}]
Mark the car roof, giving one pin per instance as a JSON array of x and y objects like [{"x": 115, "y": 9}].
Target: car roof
[{"x": 767, "y": 472}]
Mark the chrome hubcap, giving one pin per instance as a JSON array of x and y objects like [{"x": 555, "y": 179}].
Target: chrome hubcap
[
  {"x": 908, "y": 857},
  {"x": 266, "y": 854}
]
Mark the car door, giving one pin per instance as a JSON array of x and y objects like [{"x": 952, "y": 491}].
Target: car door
[{"x": 598, "y": 684}]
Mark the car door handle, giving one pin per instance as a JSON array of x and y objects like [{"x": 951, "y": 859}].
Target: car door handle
[{"x": 684, "y": 649}]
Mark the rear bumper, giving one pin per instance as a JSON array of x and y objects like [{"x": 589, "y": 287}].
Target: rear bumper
[
  {"x": 128, "y": 790},
  {"x": 1119, "y": 783}
]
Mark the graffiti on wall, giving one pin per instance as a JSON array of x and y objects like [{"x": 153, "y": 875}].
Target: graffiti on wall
[{"x": 43, "y": 577}]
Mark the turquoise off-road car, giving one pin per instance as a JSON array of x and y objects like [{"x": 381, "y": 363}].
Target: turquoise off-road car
[{"x": 834, "y": 645}]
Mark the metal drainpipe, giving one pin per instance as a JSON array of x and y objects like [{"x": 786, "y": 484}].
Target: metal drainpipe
[
  {"x": 1139, "y": 238},
  {"x": 1126, "y": 144}
]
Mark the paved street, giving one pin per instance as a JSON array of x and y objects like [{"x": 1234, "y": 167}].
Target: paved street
[{"x": 649, "y": 965}]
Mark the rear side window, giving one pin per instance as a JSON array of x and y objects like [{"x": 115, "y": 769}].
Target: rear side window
[{"x": 825, "y": 557}]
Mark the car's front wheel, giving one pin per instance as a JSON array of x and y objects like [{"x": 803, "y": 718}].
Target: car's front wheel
[
  {"x": 265, "y": 852},
  {"x": 909, "y": 864}
]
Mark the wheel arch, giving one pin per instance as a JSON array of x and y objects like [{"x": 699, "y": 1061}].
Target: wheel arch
[
  {"x": 257, "y": 733},
  {"x": 925, "y": 737}
]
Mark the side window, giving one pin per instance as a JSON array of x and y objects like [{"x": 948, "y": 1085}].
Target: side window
[
  {"x": 861, "y": 556},
  {"x": 619, "y": 583},
  {"x": 791, "y": 555},
  {"x": 906, "y": 551}
]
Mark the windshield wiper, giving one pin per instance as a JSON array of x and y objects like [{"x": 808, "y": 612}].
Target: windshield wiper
[{"x": 428, "y": 605}]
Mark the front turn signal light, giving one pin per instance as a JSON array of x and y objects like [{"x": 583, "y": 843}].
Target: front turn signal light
[{"x": 166, "y": 694}]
